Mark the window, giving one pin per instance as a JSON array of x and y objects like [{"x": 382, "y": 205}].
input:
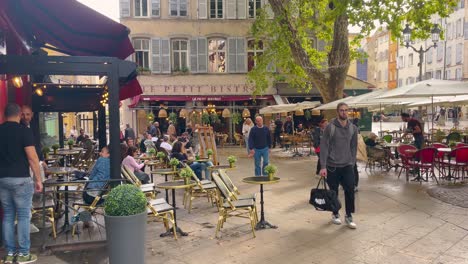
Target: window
[
  {"x": 449, "y": 31},
  {"x": 429, "y": 56},
  {"x": 410, "y": 59},
  {"x": 146, "y": 8},
  {"x": 141, "y": 47},
  {"x": 198, "y": 57},
  {"x": 448, "y": 59},
  {"x": 216, "y": 55},
  {"x": 254, "y": 7},
  {"x": 401, "y": 62},
  {"x": 458, "y": 74},
  {"x": 216, "y": 8},
  {"x": 254, "y": 50},
  {"x": 459, "y": 28},
  {"x": 447, "y": 75},
  {"x": 160, "y": 55},
  {"x": 438, "y": 74},
  {"x": 400, "y": 82},
  {"x": 179, "y": 55},
  {"x": 440, "y": 52},
  {"x": 124, "y": 8},
  {"x": 459, "y": 53},
  {"x": 428, "y": 75},
  {"x": 178, "y": 8}
]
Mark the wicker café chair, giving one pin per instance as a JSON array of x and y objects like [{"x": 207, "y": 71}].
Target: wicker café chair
[
  {"x": 148, "y": 188},
  {"x": 229, "y": 207},
  {"x": 202, "y": 189}
]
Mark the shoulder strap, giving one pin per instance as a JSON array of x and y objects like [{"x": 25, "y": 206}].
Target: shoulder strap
[{"x": 332, "y": 132}]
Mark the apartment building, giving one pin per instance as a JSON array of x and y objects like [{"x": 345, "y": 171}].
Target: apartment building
[{"x": 378, "y": 46}]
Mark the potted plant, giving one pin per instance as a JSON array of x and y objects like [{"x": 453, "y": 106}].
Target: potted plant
[
  {"x": 45, "y": 152},
  {"x": 161, "y": 155},
  {"x": 270, "y": 169},
  {"x": 231, "y": 159},
  {"x": 172, "y": 117},
  {"x": 205, "y": 118},
  {"x": 70, "y": 143},
  {"x": 186, "y": 174},
  {"x": 236, "y": 118},
  {"x": 151, "y": 152},
  {"x": 174, "y": 163},
  {"x": 125, "y": 219},
  {"x": 209, "y": 152},
  {"x": 55, "y": 147}
]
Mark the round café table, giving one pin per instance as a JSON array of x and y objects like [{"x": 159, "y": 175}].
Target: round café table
[
  {"x": 175, "y": 185},
  {"x": 220, "y": 167},
  {"x": 262, "y": 224},
  {"x": 165, "y": 173},
  {"x": 60, "y": 171}
]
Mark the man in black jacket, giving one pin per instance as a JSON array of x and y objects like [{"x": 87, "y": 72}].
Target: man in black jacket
[{"x": 259, "y": 145}]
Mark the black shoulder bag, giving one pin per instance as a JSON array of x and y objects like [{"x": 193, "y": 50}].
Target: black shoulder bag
[{"x": 324, "y": 199}]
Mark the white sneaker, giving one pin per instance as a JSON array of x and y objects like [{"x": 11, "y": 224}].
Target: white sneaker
[
  {"x": 349, "y": 222},
  {"x": 33, "y": 228},
  {"x": 336, "y": 219}
]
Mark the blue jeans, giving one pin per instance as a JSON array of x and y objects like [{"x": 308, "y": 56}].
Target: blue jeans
[
  {"x": 259, "y": 154},
  {"x": 16, "y": 197},
  {"x": 198, "y": 167}
]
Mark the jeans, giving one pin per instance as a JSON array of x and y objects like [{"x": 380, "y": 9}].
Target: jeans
[
  {"x": 246, "y": 140},
  {"x": 259, "y": 154},
  {"x": 16, "y": 197},
  {"x": 345, "y": 177},
  {"x": 418, "y": 141},
  {"x": 197, "y": 168}
]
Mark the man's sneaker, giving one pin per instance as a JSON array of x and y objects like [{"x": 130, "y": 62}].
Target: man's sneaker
[
  {"x": 10, "y": 258},
  {"x": 336, "y": 219},
  {"x": 349, "y": 222},
  {"x": 23, "y": 259},
  {"x": 33, "y": 228}
]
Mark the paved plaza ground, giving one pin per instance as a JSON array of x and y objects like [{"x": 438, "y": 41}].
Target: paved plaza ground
[{"x": 397, "y": 222}]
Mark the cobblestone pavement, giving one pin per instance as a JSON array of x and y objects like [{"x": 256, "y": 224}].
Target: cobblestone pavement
[
  {"x": 453, "y": 194},
  {"x": 397, "y": 222}
]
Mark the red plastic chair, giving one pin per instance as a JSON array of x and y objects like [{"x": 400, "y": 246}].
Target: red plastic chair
[
  {"x": 424, "y": 160},
  {"x": 440, "y": 157},
  {"x": 461, "y": 145},
  {"x": 458, "y": 163},
  {"x": 405, "y": 159}
]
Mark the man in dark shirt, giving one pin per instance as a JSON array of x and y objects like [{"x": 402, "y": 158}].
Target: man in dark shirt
[
  {"x": 129, "y": 132},
  {"x": 17, "y": 154},
  {"x": 81, "y": 137},
  {"x": 288, "y": 126},
  {"x": 413, "y": 127},
  {"x": 259, "y": 145},
  {"x": 278, "y": 129}
]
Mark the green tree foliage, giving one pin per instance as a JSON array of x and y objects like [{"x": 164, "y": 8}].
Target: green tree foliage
[{"x": 307, "y": 40}]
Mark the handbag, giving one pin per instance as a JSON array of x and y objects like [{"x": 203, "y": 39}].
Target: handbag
[{"x": 324, "y": 199}]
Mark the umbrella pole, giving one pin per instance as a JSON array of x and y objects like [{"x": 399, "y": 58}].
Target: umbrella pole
[
  {"x": 381, "y": 119},
  {"x": 432, "y": 115}
]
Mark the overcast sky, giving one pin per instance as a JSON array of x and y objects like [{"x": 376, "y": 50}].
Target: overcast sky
[{"x": 109, "y": 8}]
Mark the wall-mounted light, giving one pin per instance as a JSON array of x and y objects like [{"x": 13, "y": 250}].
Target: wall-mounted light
[
  {"x": 17, "y": 81},
  {"x": 39, "y": 92}
]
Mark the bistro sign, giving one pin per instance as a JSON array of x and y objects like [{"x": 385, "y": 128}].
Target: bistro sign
[{"x": 225, "y": 89}]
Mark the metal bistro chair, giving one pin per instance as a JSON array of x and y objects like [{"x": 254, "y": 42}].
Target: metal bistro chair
[
  {"x": 160, "y": 209},
  {"x": 424, "y": 160},
  {"x": 458, "y": 163},
  {"x": 233, "y": 189},
  {"x": 228, "y": 207},
  {"x": 148, "y": 188},
  {"x": 405, "y": 158},
  {"x": 202, "y": 189}
]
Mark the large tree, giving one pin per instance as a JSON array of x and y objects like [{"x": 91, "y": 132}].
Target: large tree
[{"x": 307, "y": 40}]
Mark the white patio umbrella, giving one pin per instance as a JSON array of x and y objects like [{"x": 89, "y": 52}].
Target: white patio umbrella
[
  {"x": 430, "y": 89},
  {"x": 283, "y": 108}
]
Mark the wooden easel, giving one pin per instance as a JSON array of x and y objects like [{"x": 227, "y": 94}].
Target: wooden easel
[{"x": 206, "y": 138}]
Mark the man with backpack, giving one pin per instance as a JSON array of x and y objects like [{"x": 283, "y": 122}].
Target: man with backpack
[{"x": 338, "y": 149}]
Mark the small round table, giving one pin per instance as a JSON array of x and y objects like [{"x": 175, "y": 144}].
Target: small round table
[
  {"x": 220, "y": 167},
  {"x": 165, "y": 173},
  {"x": 174, "y": 185},
  {"x": 262, "y": 224},
  {"x": 60, "y": 170}
]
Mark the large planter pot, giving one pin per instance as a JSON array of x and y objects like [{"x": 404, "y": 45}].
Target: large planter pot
[{"x": 126, "y": 238}]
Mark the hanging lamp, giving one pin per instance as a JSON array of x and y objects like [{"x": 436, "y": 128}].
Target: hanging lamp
[
  {"x": 226, "y": 113},
  {"x": 162, "y": 113},
  {"x": 245, "y": 113}
]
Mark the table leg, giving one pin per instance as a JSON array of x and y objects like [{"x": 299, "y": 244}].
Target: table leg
[
  {"x": 178, "y": 230},
  {"x": 66, "y": 223},
  {"x": 167, "y": 192},
  {"x": 263, "y": 224}
]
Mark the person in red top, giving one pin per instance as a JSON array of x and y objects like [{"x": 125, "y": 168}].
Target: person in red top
[{"x": 414, "y": 127}]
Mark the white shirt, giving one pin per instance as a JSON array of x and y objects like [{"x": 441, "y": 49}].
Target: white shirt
[{"x": 166, "y": 146}]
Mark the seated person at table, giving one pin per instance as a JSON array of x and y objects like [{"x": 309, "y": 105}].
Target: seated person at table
[
  {"x": 165, "y": 144},
  {"x": 131, "y": 163},
  {"x": 149, "y": 143},
  {"x": 100, "y": 171},
  {"x": 371, "y": 140},
  {"x": 178, "y": 153}
]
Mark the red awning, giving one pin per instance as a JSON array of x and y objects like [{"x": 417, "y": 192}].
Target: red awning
[
  {"x": 69, "y": 26},
  {"x": 203, "y": 98}
]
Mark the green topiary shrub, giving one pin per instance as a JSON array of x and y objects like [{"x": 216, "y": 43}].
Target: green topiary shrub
[{"x": 125, "y": 200}]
